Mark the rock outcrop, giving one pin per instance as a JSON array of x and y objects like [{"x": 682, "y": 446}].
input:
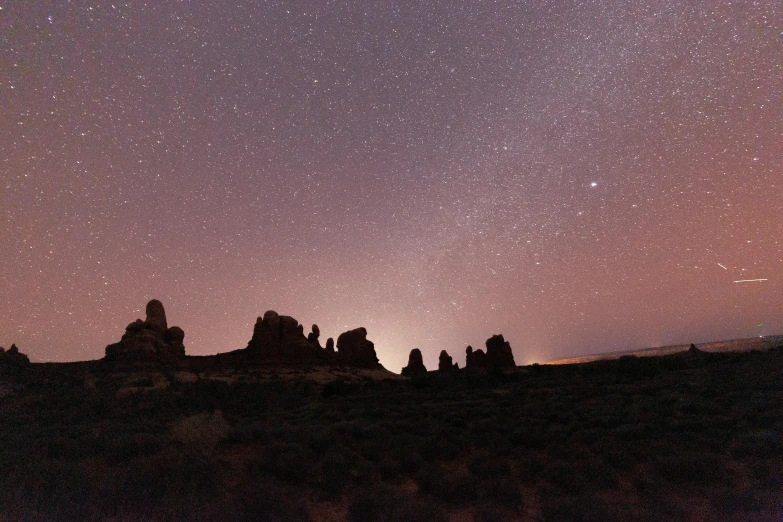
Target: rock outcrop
[
  {"x": 353, "y": 349},
  {"x": 13, "y": 357},
  {"x": 445, "y": 363},
  {"x": 156, "y": 316},
  {"x": 415, "y": 364},
  {"x": 149, "y": 340},
  {"x": 475, "y": 358},
  {"x": 280, "y": 338},
  {"x": 499, "y": 354},
  {"x": 173, "y": 337},
  {"x": 480, "y": 359},
  {"x": 313, "y": 336}
]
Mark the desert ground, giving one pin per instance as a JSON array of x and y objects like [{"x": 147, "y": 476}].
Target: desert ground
[{"x": 686, "y": 436}]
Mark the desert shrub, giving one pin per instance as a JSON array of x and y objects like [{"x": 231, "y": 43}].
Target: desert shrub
[
  {"x": 240, "y": 435},
  {"x": 457, "y": 486},
  {"x": 635, "y": 432},
  {"x": 581, "y": 507},
  {"x": 335, "y": 470},
  {"x": 731, "y": 500},
  {"x": 201, "y": 432},
  {"x": 485, "y": 465},
  {"x": 335, "y": 388},
  {"x": 415, "y": 427},
  {"x": 390, "y": 468},
  {"x": 423, "y": 381},
  {"x": 648, "y": 486},
  {"x": 660, "y": 503},
  {"x": 55, "y": 490},
  {"x": 534, "y": 439},
  {"x": 766, "y": 473},
  {"x": 501, "y": 489},
  {"x": 145, "y": 382},
  {"x": 428, "y": 478},
  {"x": 373, "y": 414},
  {"x": 168, "y": 476},
  {"x": 121, "y": 447},
  {"x": 289, "y": 461},
  {"x": 601, "y": 472},
  {"x": 321, "y": 438},
  {"x": 419, "y": 509},
  {"x": 373, "y": 503},
  {"x": 493, "y": 479},
  {"x": 565, "y": 478},
  {"x": 683, "y": 468},
  {"x": 363, "y": 471},
  {"x": 762, "y": 444},
  {"x": 444, "y": 448},
  {"x": 378, "y": 502},
  {"x": 150, "y": 478},
  {"x": 490, "y": 512},
  {"x": 411, "y": 462},
  {"x": 481, "y": 427},
  {"x": 519, "y": 435},
  {"x": 259, "y": 431},
  {"x": 58, "y": 447},
  {"x": 641, "y": 453},
  {"x": 502, "y": 446},
  {"x": 266, "y": 499},
  {"x": 530, "y": 465},
  {"x": 371, "y": 450},
  {"x": 457, "y": 420}
]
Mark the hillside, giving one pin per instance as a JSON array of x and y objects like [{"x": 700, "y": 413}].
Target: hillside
[{"x": 734, "y": 345}]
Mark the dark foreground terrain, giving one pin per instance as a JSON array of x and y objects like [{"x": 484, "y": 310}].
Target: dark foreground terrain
[{"x": 690, "y": 436}]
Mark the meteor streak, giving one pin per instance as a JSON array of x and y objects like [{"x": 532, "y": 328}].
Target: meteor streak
[
  {"x": 723, "y": 267},
  {"x": 750, "y": 280}
]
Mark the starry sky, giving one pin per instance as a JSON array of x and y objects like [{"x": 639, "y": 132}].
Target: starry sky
[{"x": 580, "y": 176}]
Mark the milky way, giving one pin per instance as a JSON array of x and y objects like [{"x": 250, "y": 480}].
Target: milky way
[{"x": 579, "y": 176}]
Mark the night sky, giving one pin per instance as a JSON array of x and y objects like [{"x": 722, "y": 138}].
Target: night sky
[{"x": 580, "y": 176}]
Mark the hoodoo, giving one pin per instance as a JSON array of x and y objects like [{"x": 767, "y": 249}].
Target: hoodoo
[
  {"x": 415, "y": 364},
  {"x": 149, "y": 340},
  {"x": 353, "y": 349},
  {"x": 445, "y": 363}
]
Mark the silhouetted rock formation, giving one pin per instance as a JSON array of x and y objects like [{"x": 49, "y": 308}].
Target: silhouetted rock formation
[
  {"x": 479, "y": 359},
  {"x": 149, "y": 340},
  {"x": 354, "y": 349},
  {"x": 694, "y": 350},
  {"x": 313, "y": 336},
  {"x": 445, "y": 363},
  {"x": 173, "y": 337},
  {"x": 13, "y": 356},
  {"x": 415, "y": 364},
  {"x": 280, "y": 338},
  {"x": 499, "y": 354},
  {"x": 156, "y": 316}
]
